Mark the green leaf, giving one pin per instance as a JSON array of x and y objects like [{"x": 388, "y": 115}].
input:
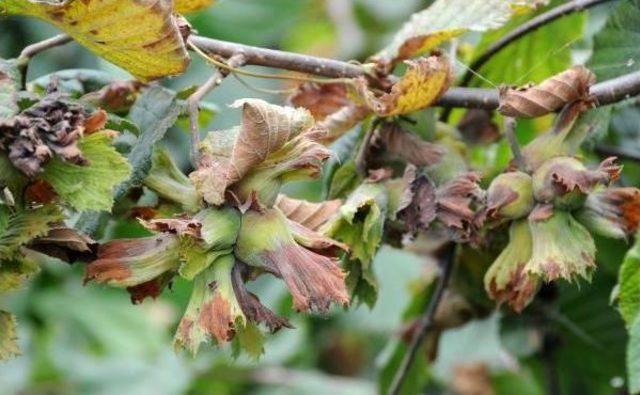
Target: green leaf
[
  {"x": 615, "y": 47},
  {"x": 538, "y": 55},
  {"x": 73, "y": 81},
  {"x": 633, "y": 357},
  {"x": 89, "y": 187},
  {"x": 446, "y": 19},
  {"x": 25, "y": 225},
  {"x": 360, "y": 225},
  {"x": 629, "y": 286},
  {"x": 8, "y": 336},
  {"x": 155, "y": 111}
]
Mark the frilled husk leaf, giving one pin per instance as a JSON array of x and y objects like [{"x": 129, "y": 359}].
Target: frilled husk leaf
[
  {"x": 611, "y": 212},
  {"x": 267, "y": 242},
  {"x": 278, "y": 135},
  {"x": 562, "y": 247},
  {"x": 299, "y": 159},
  {"x": 170, "y": 183},
  {"x": 213, "y": 311},
  {"x": 360, "y": 225},
  {"x": 566, "y": 181},
  {"x": 456, "y": 201},
  {"x": 51, "y": 127},
  {"x": 506, "y": 281},
  {"x": 251, "y": 306},
  {"x": 308, "y": 214},
  {"x": 131, "y": 262}
]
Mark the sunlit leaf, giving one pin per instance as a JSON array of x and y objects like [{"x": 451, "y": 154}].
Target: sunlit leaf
[
  {"x": 424, "y": 82},
  {"x": 186, "y": 6},
  {"x": 140, "y": 36},
  {"x": 446, "y": 19}
]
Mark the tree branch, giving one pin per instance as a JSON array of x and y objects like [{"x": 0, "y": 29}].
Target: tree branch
[
  {"x": 527, "y": 27},
  {"x": 426, "y": 321},
  {"x": 281, "y": 60},
  {"x": 606, "y": 92}
]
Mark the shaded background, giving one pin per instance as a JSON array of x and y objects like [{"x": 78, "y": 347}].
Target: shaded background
[{"x": 90, "y": 340}]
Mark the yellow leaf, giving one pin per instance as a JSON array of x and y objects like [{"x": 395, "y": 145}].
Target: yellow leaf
[
  {"x": 424, "y": 82},
  {"x": 187, "y": 6},
  {"x": 141, "y": 36},
  {"x": 446, "y": 19}
]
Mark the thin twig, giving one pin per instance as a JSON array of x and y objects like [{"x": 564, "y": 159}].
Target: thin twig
[
  {"x": 193, "y": 103},
  {"x": 426, "y": 321},
  {"x": 510, "y": 134},
  {"x": 32, "y": 50},
  {"x": 526, "y": 28}
]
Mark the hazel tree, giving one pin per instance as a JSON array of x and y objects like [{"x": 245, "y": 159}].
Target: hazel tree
[{"x": 67, "y": 160}]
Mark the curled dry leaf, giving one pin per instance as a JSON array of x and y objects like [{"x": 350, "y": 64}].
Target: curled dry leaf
[
  {"x": 117, "y": 96},
  {"x": 265, "y": 131},
  {"x": 612, "y": 212},
  {"x": 446, "y": 19},
  {"x": 266, "y": 241},
  {"x": 51, "y": 127},
  {"x": 550, "y": 95},
  {"x": 425, "y": 80},
  {"x": 140, "y": 36},
  {"x": 456, "y": 201},
  {"x": 321, "y": 100},
  {"x": 308, "y": 214},
  {"x": 341, "y": 121},
  {"x": 391, "y": 137},
  {"x": 420, "y": 208},
  {"x": 477, "y": 126},
  {"x": 66, "y": 244}
]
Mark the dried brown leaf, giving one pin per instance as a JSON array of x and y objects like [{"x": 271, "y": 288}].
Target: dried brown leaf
[
  {"x": 310, "y": 215},
  {"x": 392, "y": 138},
  {"x": 550, "y": 95}
]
